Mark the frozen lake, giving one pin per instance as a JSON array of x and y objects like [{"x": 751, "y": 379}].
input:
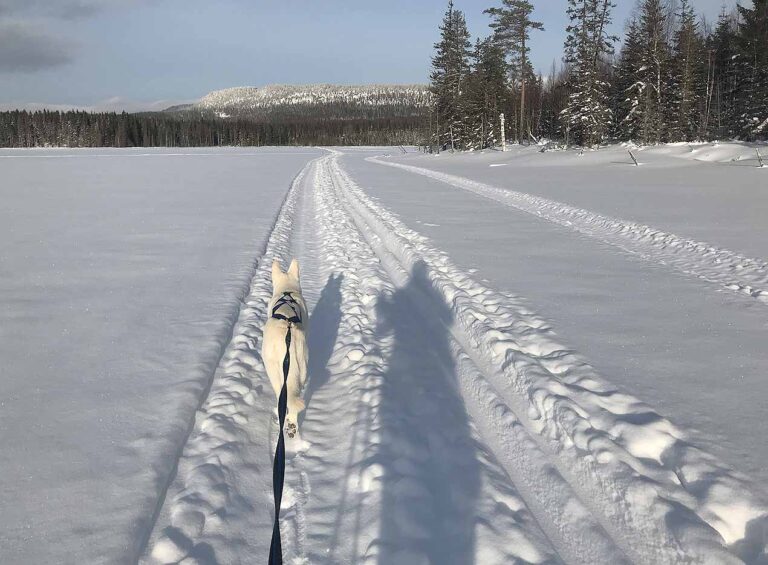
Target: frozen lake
[{"x": 121, "y": 273}]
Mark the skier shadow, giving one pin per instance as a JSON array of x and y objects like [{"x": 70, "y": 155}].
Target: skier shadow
[
  {"x": 431, "y": 474},
  {"x": 323, "y": 330},
  {"x": 752, "y": 547}
]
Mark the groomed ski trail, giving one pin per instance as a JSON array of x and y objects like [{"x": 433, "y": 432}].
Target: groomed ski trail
[
  {"x": 415, "y": 483},
  {"x": 444, "y": 424},
  {"x": 360, "y": 450},
  {"x": 222, "y": 489},
  {"x": 722, "y": 267},
  {"x": 661, "y": 499}
]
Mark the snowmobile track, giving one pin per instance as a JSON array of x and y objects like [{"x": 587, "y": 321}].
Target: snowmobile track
[
  {"x": 631, "y": 467},
  {"x": 725, "y": 268}
]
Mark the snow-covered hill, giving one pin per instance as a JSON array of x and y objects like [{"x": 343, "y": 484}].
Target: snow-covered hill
[
  {"x": 277, "y": 95},
  {"x": 324, "y": 100}
]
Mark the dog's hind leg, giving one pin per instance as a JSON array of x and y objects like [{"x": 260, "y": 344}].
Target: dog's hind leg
[{"x": 297, "y": 379}]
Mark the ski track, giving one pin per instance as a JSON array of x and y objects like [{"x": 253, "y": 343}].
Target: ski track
[
  {"x": 224, "y": 473},
  {"x": 388, "y": 502},
  {"x": 744, "y": 275},
  {"x": 660, "y": 498},
  {"x": 444, "y": 424}
]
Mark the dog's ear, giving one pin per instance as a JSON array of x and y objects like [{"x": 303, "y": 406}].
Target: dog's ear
[
  {"x": 293, "y": 270},
  {"x": 277, "y": 272}
]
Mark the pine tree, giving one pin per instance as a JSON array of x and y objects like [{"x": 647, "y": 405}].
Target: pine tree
[
  {"x": 512, "y": 25},
  {"x": 686, "y": 84},
  {"x": 588, "y": 114},
  {"x": 450, "y": 67},
  {"x": 752, "y": 45}
]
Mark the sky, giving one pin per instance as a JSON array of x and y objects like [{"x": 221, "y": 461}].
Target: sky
[{"x": 149, "y": 54}]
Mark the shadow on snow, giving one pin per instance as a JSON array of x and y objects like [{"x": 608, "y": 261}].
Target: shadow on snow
[{"x": 431, "y": 473}]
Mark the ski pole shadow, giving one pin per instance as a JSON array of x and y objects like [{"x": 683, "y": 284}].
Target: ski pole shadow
[
  {"x": 323, "y": 330},
  {"x": 431, "y": 474}
]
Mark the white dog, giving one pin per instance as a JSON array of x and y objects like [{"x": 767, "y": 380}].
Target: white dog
[{"x": 287, "y": 309}]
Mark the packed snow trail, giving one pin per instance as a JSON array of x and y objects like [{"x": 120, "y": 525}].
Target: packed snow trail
[
  {"x": 415, "y": 480},
  {"x": 361, "y": 486},
  {"x": 716, "y": 265},
  {"x": 569, "y": 403},
  {"x": 692, "y": 350},
  {"x": 223, "y": 471},
  {"x": 445, "y": 424}
]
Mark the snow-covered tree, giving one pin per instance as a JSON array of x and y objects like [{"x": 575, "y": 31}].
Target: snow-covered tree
[
  {"x": 450, "y": 68},
  {"x": 512, "y": 25},
  {"x": 723, "y": 64},
  {"x": 486, "y": 94},
  {"x": 627, "y": 90},
  {"x": 652, "y": 74},
  {"x": 752, "y": 45},
  {"x": 588, "y": 114},
  {"x": 686, "y": 78}
]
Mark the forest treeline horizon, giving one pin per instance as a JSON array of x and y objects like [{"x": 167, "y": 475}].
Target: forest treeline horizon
[
  {"x": 675, "y": 77},
  {"x": 672, "y": 77}
]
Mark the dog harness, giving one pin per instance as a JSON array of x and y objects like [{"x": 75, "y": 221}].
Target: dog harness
[{"x": 287, "y": 302}]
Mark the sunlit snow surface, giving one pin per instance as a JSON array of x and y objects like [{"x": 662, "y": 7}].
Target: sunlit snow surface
[
  {"x": 520, "y": 357},
  {"x": 120, "y": 276}
]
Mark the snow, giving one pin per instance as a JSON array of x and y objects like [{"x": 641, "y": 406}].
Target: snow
[
  {"x": 516, "y": 357},
  {"x": 120, "y": 279},
  {"x": 280, "y": 95},
  {"x": 656, "y": 333}
]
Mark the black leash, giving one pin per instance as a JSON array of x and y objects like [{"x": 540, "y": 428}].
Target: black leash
[{"x": 278, "y": 470}]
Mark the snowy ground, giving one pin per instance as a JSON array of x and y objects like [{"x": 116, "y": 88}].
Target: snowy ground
[
  {"x": 515, "y": 357},
  {"x": 120, "y": 278}
]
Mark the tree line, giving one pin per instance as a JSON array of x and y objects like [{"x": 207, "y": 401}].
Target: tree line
[
  {"x": 675, "y": 77},
  {"x": 84, "y": 129}
]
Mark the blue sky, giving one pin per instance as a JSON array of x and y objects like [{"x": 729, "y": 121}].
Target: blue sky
[{"x": 146, "y": 54}]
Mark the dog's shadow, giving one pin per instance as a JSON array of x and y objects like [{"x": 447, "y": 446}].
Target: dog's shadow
[{"x": 323, "y": 331}]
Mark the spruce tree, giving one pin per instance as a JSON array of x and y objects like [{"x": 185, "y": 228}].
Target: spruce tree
[
  {"x": 752, "y": 45},
  {"x": 652, "y": 74},
  {"x": 554, "y": 102},
  {"x": 721, "y": 116},
  {"x": 485, "y": 94},
  {"x": 588, "y": 114},
  {"x": 628, "y": 91},
  {"x": 686, "y": 83},
  {"x": 450, "y": 67},
  {"x": 512, "y": 25}
]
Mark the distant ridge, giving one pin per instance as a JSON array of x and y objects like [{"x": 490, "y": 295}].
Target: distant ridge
[
  {"x": 315, "y": 114},
  {"x": 325, "y": 101},
  {"x": 178, "y": 108}
]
